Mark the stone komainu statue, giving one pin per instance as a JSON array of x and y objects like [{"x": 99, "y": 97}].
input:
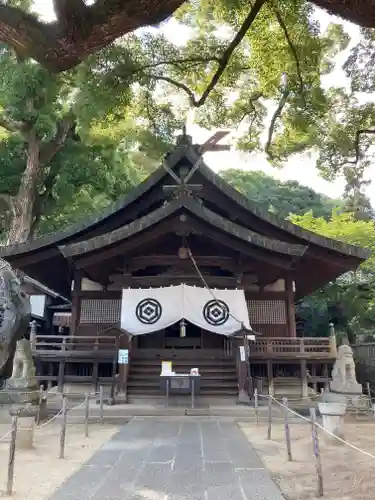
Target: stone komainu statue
[{"x": 15, "y": 313}]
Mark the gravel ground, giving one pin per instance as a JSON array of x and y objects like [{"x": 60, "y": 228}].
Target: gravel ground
[
  {"x": 39, "y": 472},
  {"x": 347, "y": 474}
]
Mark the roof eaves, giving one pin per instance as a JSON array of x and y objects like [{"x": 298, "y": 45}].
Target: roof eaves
[
  {"x": 163, "y": 212},
  {"x": 59, "y": 236},
  {"x": 246, "y": 234},
  {"x": 126, "y": 231},
  {"x": 287, "y": 226}
]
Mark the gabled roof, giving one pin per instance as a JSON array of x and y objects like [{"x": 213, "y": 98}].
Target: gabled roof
[
  {"x": 190, "y": 206},
  {"x": 191, "y": 153},
  {"x": 49, "y": 258}
]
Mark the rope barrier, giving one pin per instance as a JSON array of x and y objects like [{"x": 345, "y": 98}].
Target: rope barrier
[
  {"x": 324, "y": 430},
  {"x": 5, "y": 435},
  {"x": 49, "y": 421},
  {"x": 5, "y": 391},
  {"x": 298, "y": 399},
  {"x": 69, "y": 410}
]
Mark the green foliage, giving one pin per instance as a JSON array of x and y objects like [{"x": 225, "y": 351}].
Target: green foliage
[
  {"x": 348, "y": 302},
  {"x": 282, "y": 198}
]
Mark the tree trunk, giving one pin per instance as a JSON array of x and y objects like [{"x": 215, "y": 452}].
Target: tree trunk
[{"x": 26, "y": 197}]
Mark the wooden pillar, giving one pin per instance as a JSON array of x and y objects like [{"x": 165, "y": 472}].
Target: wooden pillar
[
  {"x": 289, "y": 305},
  {"x": 76, "y": 302},
  {"x": 313, "y": 374},
  {"x": 270, "y": 377},
  {"x": 50, "y": 374},
  {"x": 304, "y": 385},
  {"x": 326, "y": 375},
  {"x": 243, "y": 370},
  {"x": 95, "y": 368},
  {"x": 123, "y": 371}
]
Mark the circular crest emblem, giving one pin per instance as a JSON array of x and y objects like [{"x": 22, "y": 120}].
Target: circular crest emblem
[
  {"x": 216, "y": 312},
  {"x": 148, "y": 311}
]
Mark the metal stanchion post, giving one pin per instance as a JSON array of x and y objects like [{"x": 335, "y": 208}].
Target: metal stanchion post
[
  {"x": 63, "y": 427},
  {"x": 101, "y": 402},
  {"x": 12, "y": 452},
  {"x": 87, "y": 409},
  {"x": 192, "y": 391}
]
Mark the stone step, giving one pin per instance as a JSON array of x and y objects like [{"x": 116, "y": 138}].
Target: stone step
[
  {"x": 215, "y": 378},
  {"x": 202, "y": 370},
  {"x": 184, "y": 362},
  {"x": 143, "y": 390}
]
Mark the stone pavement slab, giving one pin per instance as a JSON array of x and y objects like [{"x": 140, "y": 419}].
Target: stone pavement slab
[{"x": 173, "y": 459}]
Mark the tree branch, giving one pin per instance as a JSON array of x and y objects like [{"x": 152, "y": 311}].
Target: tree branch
[
  {"x": 70, "y": 11},
  {"x": 80, "y": 30},
  {"x": 177, "y": 84},
  {"x": 276, "y": 115},
  {"x": 11, "y": 125},
  {"x": 173, "y": 62},
  {"x": 6, "y": 200},
  {"x": 293, "y": 51},
  {"x": 361, "y": 12},
  {"x": 58, "y": 141},
  {"x": 357, "y": 146},
  {"x": 222, "y": 61},
  {"x": 225, "y": 58}
]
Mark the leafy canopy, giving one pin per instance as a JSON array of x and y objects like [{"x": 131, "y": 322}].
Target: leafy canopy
[{"x": 349, "y": 301}]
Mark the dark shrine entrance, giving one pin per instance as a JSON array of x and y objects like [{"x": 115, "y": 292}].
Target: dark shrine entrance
[{"x": 170, "y": 338}]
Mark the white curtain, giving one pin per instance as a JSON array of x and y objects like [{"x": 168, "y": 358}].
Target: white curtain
[{"x": 149, "y": 310}]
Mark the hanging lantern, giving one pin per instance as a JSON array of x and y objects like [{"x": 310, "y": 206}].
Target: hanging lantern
[{"x": 182, "y": 329}]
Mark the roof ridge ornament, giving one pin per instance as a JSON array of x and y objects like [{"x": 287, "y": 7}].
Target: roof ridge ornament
[{"x": 182, "y": 186}]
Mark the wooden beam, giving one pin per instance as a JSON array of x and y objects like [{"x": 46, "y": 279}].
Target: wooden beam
[
  {"x": 31, "y": 258},
  {"x": 289, "y": 304},
  {"x": 265, "y": 295},
  {"x": 332, "y": 258},
  {"x": 165, "y": 280},
  {"x": 144, "y": 261},
  {"x": 277, "y": 261},
  {"x": 128, "y": 245},
  {"x": 176, "y": 225},
  {"x": 99, "y": 294},
  {"x": 76, "y": 302}
]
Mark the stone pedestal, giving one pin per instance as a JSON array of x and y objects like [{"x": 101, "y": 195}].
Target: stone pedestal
[
  {"x": 333, "y": 420},
  {"x": 343, "y": 374},
  {"x": 243, "y": 397},
  {"x": 22, "y": 387},
  {"x": 26, "y": 426}
]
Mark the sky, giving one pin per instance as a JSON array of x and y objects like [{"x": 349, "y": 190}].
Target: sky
[{"x": 301, "y": 167}]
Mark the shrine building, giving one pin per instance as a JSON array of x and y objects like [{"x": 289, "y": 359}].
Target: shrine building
[{"x": 178, "y": 270}]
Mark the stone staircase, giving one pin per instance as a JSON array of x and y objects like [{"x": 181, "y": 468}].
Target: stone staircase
[{"x": 218, "y": 377}]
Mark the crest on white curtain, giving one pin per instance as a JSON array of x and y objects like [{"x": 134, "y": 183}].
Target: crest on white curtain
[{"x": 149, "y": 310}]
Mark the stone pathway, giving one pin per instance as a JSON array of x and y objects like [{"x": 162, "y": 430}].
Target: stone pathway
[{"x": 173, "y": 459}]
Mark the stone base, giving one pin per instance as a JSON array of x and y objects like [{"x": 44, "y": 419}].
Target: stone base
[
  {"x": 19, "y": 396},
  {"x": 26, "y": 426},
  {"x": 121, "y": 399},
  {"x": 290, "y": 387},
  {"x": 353, "y": 402},
  {"x": 243, "y": 398},
  {"x": 333, "y": 420}
]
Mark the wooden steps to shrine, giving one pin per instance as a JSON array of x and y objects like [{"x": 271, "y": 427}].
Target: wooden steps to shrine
[{"x": 218, "y": 376}]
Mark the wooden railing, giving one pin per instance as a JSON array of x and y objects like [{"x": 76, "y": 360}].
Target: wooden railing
[
  {"x": 60, "y": 350},
  {"x": 106, "y": 346},
  {"x": 365, "y": 353},
  {"x": 304, "y": 347},
  {"x": 74, "y": 346}
]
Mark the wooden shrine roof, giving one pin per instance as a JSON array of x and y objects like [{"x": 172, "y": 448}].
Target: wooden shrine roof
[
  {"x": 48, "y": 259},
  {"x": 191, "y": 206}
]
